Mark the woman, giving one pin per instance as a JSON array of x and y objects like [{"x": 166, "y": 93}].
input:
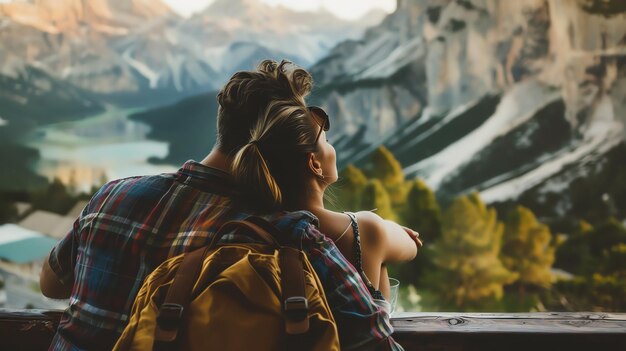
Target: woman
[{"x": 289, "y": 164}]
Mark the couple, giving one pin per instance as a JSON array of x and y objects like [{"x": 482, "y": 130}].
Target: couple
[{"x": 271, "y": 157}]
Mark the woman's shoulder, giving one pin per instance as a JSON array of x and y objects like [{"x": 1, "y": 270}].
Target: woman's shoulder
[
  {"x": 369, "y": 218},
  {"x": 364, "y": 219},
  {"x": 371, "y": 227}
]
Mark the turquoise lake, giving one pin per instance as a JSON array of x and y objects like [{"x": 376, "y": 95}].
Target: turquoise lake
[{"x": 105, "y": 146}]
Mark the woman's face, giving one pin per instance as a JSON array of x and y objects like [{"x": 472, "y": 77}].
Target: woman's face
[{"x": 327, "y": 157}]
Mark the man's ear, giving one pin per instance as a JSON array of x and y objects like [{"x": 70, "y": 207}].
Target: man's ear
[{"x": 315, "y": 166}]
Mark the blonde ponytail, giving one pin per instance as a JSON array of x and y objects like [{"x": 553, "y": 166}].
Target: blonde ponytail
[
  {"x": 270, "y": 166},
  {"x": 251, "y": 171}
]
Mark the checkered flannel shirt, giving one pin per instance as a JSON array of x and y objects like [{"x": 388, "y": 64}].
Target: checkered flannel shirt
[{"x": 132, "y": 225}]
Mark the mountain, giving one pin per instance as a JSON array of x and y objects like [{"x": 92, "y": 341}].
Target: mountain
[
  {"x": 32, "y": 99},
  {"x": 188, "y": 126},
  {"x": 141, "y": 52},
  {"x": 87, "y": 43},
  {"x": 105, "y": 16},
  {"x": 496, "y": 96},
  {"x": 35, "y": 98},
  {"x": 237, "y": 34}
]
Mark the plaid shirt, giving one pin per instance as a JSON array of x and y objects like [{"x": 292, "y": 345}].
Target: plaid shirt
[{"x": 132, "y": 225}]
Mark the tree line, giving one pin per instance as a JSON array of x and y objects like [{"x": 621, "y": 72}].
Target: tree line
[{"x": 477, "y": 259}]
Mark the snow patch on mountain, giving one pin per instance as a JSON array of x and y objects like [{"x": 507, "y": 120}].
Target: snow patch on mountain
[
  {"x": 604, "y": 133},
  {"x": 398, "y": 58},
  {"x": 175, "y": 63},
  {"x": 142, "y": 68},
  {"x": 517, "y": 106},
  {"x": 458, "y": 111}
]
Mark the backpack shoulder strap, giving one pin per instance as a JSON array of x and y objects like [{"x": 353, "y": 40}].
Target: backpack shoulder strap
[
  {"x": 295, "y": 304},
  {"x": 178, "y": 295}
]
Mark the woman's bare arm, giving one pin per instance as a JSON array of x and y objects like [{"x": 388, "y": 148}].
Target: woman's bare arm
[
  {"x": 397, "y": 243},
  {"x": 383, "y": 284}
]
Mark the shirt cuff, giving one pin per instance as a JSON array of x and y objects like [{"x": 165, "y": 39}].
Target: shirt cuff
[{"x": 66, "y": 278}]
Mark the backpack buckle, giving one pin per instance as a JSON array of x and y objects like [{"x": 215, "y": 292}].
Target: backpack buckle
[
  {"x": 170, "y": 315},
  {"x": 296, "y": 309}
]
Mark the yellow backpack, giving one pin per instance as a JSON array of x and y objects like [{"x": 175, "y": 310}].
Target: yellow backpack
[{"x": 233, "y": 297}]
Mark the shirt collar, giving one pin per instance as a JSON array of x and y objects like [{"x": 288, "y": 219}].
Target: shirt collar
[{"x": 199, "y": 174}]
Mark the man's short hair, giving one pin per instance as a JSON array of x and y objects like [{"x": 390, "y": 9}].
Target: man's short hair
[{"x": 246, "y": 96}]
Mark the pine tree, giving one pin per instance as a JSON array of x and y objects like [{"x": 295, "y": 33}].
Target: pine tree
[
  {"x": 572, "y": 253},
  {"x": 469, "y": 274},
  {"x": 600, "y": 283},
  {"x": 348, "y": 190},
  {"x": 385, "y": 167},
  {"x": 374, "y": 196},
  {"x": 72, "y": 183},
  {"x": 8, "y": 211},
  {"x": 611, "y": 293},
  {"x": 584, "y": 227},
  {"x": 422, "y": 212},
  {"x": 526, "y": 250},
  {"x": 55, "y": 198},
  {"x": 614, "y": 260}
]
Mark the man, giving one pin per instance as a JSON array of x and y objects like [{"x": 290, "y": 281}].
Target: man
[{"x": 132, "y": 225}]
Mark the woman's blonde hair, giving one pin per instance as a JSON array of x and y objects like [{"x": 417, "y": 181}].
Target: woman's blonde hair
[
  {"x": 247, "y": 94},
  {"x": 271, "y": 166}
]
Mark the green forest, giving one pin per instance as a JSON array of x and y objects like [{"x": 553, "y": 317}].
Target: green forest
[{"x": 481, "y": 258}]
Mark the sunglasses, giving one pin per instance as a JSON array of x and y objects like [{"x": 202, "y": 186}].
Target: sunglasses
[{"x": 321, "y": 118}]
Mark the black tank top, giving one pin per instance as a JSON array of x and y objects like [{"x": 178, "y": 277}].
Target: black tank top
[{"x": 376, "y": 294}]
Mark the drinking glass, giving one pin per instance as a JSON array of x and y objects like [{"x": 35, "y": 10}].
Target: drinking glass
[{"x": 394, "y": 285}]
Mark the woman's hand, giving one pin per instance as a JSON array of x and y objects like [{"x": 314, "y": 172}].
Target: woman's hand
[{"x": 414, "y": 235}]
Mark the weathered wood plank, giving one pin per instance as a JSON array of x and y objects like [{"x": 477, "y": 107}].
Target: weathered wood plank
[
  {"x": 534, "y": 315},
  {"x": 511, "y": 332},
  {"x": 33, "y": 330},
  {"x": 510, "y": 342},
  {"x": 561, "y": 323},
  {"x": 27, "y": 329}
]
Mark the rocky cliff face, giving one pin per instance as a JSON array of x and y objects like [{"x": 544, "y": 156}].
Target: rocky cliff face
[
  {"x": 85, "y": 43},
  {"x": 499, "y": 96},
  {"x": 106, "y": 16},
  {"x": 125, "y": 49}
]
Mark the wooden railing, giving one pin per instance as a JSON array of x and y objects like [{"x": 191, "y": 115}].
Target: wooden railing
[
  {"x": 33, "y": 330},
  {"x": 513, "y": 331}
]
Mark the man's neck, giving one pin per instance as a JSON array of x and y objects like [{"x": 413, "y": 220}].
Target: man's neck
[{"x": 217, "y": 159}]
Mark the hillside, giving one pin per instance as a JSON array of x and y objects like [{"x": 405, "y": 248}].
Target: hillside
[
  {"x": 139, "y": 52},
  {"x": 494, "y": 96},
  {"x": 188, "y": 126}
]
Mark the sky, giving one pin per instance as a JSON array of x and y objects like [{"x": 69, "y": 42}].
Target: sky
[{"x": 347, "y": 9}]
